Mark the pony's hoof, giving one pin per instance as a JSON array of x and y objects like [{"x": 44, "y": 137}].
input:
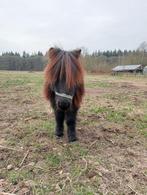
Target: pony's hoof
[
  {"x": 72, "y": 139},
  {"x": 59, "y": 136}
]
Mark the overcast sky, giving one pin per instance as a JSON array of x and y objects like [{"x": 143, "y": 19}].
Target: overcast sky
[{"x": 34, "y": 25}]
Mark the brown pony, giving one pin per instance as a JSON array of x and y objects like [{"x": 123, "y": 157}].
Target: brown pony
[{"x": 64, "y": 88}]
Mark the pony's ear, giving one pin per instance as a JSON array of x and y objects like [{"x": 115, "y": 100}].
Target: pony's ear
[
  {"x": 77, "y": 53},
  {"x": 53, "y": 51}
]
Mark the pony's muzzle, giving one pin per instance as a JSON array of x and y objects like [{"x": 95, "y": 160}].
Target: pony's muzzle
[{"x": 63, "y": 104}]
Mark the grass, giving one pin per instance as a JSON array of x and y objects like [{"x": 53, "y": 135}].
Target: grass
[
  {"x": 41, "y": 190},
  {"x": 97, "y": 84},
  {"x": 111, "y": 127},
  {"x": 53, "y": 160},
  {"x": 16, "y": 176},
  {"x": 142, "y": 125},
  {"x": 112, "y": 115}
]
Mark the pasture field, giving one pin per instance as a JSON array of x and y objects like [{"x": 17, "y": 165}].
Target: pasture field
[{"x": 110, "y": 156}]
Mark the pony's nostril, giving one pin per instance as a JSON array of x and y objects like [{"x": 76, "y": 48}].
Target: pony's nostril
[
  {"x": 67, "y": 104},
  {"x": 63, "y": 105}
]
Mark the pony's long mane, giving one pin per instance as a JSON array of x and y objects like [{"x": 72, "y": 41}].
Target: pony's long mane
[{"x": 66, "y": 65}]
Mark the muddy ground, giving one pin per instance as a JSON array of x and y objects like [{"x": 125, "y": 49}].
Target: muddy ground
[{"x": 110, "y": 156}]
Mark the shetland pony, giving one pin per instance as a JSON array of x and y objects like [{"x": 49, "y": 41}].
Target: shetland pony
[{"x": 64, "y": 88}]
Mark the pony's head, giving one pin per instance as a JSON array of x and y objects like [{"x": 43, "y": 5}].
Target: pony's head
[{"x": 64, "y": 78}]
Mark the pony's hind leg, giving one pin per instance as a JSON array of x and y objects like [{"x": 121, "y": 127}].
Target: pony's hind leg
[
  {"x": 71, "y": 125},
  {"x": 59, "y": 116}
]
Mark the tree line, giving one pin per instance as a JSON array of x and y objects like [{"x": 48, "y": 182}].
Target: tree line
[
  {"x": 116, "y": 53},
  {"x": 97, "y": 61},
  {"x": 26, "y": 61}
]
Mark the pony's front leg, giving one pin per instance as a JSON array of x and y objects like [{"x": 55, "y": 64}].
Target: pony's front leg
[
  {"x": 59, "y": 116},
  {"x": 71, "y": 125}
]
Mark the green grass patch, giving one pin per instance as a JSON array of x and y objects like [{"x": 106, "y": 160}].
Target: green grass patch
[
  {"x": 116, "y": 116},
  {"x": 96, "y": 84},
  {"x": 84, "y": 190},
  {"x": 53, "y": 160},
  {"x": 16, "y": 176},
  {"x": 111, "y": 114},
  {"x": 38, "y": 190},
  {"x": 15, "y": 82},
  {"x": 39, "y": 126},
  {"x": 98, "y": 110},
  {"x": 141, "y": 125}
]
